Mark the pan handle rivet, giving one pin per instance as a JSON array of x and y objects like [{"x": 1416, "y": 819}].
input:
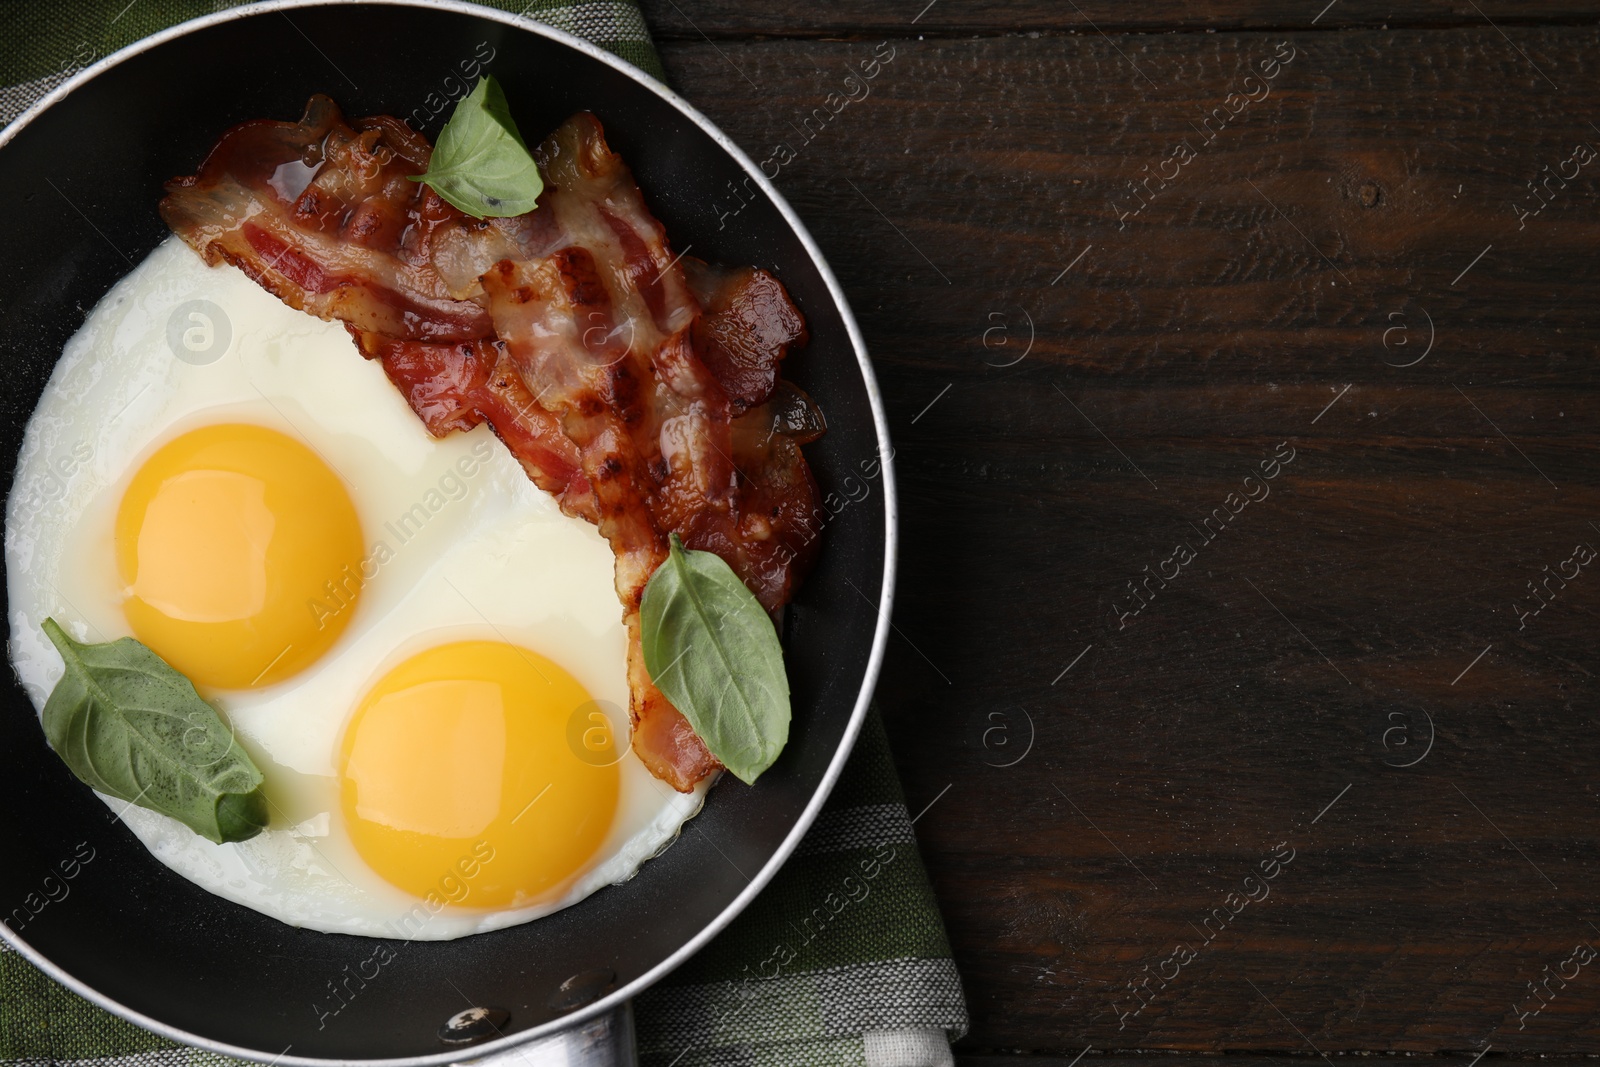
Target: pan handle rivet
[
  {"x": 474, "y": 1024},
  {"x": 583, "y": 988}
]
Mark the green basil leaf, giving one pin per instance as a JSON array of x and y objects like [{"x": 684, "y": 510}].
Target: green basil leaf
[
  {"x": 710, "y": 647},
  {"x": 481, "y": 164},
  {"x": 132, "y": 727}
]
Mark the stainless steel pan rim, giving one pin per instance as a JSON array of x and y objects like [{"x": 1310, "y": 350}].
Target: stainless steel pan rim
[{"x": 884, "y": 606}]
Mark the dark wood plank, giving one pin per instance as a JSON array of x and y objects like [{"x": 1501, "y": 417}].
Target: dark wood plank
[
  {"x": 1094, "y": 1058},
  {"x": 719, "y": 19},
  {"x": 1271, "y": 691}
]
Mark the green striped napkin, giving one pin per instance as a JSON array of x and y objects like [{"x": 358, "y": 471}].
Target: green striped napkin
[{"x": 841, "y": 962}]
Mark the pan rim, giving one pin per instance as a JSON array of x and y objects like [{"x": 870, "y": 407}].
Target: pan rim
[{"x": 883, "y": 607}]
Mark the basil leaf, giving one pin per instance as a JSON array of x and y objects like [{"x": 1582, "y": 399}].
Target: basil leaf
[
  {"x": 132, "y": 727},
  {"x": 481, "y": 164},
  {"x": 710, "y": 647}
]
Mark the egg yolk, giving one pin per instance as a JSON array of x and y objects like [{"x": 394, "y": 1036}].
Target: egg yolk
[
  {"x": 241, "y": 554},
  {"x": 459, "y": 783}
]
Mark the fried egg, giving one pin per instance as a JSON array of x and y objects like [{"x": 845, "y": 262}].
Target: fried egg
[{"x": 423, "y": 656}]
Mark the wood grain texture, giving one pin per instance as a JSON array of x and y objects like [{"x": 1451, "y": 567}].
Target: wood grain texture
[
  {"x": 1342, "y": 670},
  {"x": 1095, "y": 1058},
  {"x": 718, "y": 19}
]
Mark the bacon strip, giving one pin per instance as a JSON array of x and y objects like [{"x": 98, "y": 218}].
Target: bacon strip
[
  {"x": 324, "y": 216},
  {"x": 457, "y": 386},
  {"x": 638, "y": 387}
]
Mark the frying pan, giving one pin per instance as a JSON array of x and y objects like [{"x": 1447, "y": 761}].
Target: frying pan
[{"x": 80, "y": 176}]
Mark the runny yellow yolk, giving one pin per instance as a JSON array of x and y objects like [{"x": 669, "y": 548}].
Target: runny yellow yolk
[
  {"x": 226, "y": 539},
  {"x": 460, "y": 783}
]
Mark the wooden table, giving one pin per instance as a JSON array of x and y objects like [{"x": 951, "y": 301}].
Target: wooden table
[{"x": 1244, "y": 394}]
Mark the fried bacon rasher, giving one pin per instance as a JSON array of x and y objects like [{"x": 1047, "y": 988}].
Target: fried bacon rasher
[{"x": 639, "y": 387}]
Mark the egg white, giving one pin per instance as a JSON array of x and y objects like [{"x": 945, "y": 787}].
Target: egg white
[{"x": 488, "y": 556}]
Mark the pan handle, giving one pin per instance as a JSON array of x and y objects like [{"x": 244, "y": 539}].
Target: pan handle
[{"x": 603, "y": 1041}]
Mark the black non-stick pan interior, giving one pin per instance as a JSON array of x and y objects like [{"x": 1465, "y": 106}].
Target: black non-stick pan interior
[{"x": 81, "y": 182}]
